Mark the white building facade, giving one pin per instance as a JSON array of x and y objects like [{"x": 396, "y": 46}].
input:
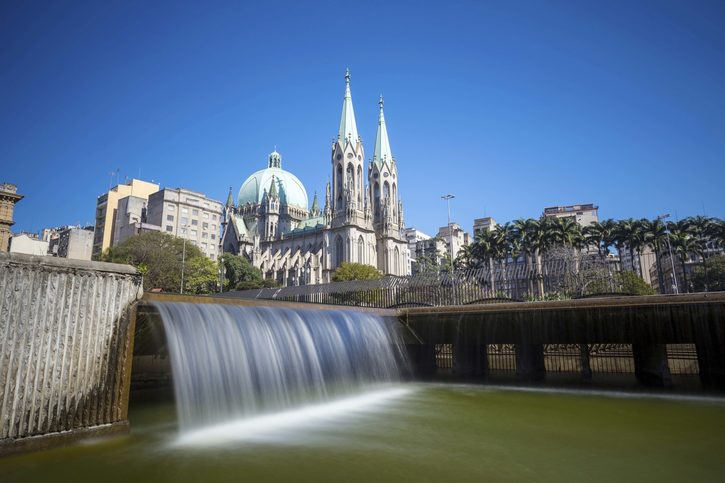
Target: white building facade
[
  {"x": 187, "y": 214},
  {"x": 361, "y": 220}
]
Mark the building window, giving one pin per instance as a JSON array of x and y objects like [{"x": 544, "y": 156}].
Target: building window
[
  {"x": 194, "y": 222},
  {"x": 185, "y": 211},
  {"x": 195, "y": 212},
  {"x": 194, "y": 233},
  {"x": 213, "y": 236},
  {"x": 184, "y": 220},
  {"x": 205, "y": 226},
  {"x": 213, "y": 228},
  {"x": 171, "y": 207},
  {"x": 169, "y": 217},
  {"x": 169, "y": 228},
  {"x": 213, "y": 217},
  {"x": 212, "y": 256},
  {"x": 204, "y": 235},
  {"x": 206, "y": 215},
  {"x": 203, "y": 246}
]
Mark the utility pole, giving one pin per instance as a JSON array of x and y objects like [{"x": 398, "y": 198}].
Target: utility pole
[
  {"x": 183, "y": 257},
  {"x": 448, "y": 199},
  {"x": 669, "y": 247}
]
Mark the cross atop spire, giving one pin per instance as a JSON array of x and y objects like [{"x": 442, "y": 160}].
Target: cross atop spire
[
  {"x": 382, "y": 144},
  {"x": 348, "y": 127}
]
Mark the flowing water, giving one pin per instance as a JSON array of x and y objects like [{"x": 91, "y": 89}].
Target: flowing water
[
  {"x": 322, "y": 401},
  {"x": 230, "y": 362}
]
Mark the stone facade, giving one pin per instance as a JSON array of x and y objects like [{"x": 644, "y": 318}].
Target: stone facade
[
  {"x": 8, "y": 197},
  {"x": 187, "y": 214},
  {"x": 361, "y": 220},
  {"x": 106, "y": 209}
]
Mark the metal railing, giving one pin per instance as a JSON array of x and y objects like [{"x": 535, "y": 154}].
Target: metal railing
[{"x": 520, "y": 280}]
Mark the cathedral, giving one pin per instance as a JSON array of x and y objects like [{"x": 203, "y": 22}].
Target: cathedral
[{"x": 361, "y": 220}]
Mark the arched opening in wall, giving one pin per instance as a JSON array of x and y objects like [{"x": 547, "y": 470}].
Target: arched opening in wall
[
  {"x": 396, "y": 261},
  {"x": 350, "y": 179},
  {"x": 386, "y": 191},
  {"x": 376, "y": 200},
  {"x": 360, "y": 250},
  {"x": 338, "y": 183},
  {"x": 339, "y": 256},
  {"x": 359, "y": 184}
]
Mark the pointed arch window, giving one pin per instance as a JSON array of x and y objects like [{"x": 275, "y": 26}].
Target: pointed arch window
[
  {"x": 396, "y": 261},
  {"x": 339, "y": 251},
  {"x": 360, "y": 250}
]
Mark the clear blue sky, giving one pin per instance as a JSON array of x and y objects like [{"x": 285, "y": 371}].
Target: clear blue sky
[{"x": 511, "y": 106}]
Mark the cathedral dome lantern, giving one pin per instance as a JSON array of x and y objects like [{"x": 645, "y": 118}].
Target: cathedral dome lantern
[{"x": 289, "y": 188}]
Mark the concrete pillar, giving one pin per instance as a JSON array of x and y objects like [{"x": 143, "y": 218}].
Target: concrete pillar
[
  {"x": 650, "y": 365},
  {"x": 586, "y": 369},
  {"x": 422, "y": 359},
  {"x": 530, "y": 362},
  {"x": 711, "y": 360},
  {"x": 470, "y": 360}
]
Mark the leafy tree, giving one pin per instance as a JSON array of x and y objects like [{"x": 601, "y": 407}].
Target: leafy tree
[
  {"x": 200, "y": 275},
  {"x": 714, "y": 278},
  {"x": 632, "y": 283},
  {"x": 239, "y": 273},
  {"x": 355, "y": 271},
  {"x": 158, "y": 256}
]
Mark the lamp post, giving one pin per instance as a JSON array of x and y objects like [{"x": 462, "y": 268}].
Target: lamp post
[
  {"x": 669, "y": 248},
  {"x": 448, "y": 199},
  {"x": 183, "y": 257}
]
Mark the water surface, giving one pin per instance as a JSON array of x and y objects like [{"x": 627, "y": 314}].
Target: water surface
[{"x": 417, "y": 432}]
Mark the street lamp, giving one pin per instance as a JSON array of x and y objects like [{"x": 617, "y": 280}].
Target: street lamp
[
  {"x": 183, "y": 257},
  {"x": 448, "y": 199},
  {"x": 669, "y": 247}
]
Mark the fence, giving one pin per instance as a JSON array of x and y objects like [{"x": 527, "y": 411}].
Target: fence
[
  {"x": 549, "y": 279},
  {"x": 568, "y": 358}
]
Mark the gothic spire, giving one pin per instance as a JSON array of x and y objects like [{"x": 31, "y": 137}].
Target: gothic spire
[
  {"x": 230, "y": 199},
  {"x": 315, "y": 211},
  {"x": 273, "y": 189},
  {"x": 382, "y": 144},
  {"x": 348, "y": 128}
]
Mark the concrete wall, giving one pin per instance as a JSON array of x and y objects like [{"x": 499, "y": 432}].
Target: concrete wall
[{"x": 66, "y": 340}]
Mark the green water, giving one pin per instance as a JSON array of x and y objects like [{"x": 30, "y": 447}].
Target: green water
[{"x": 444, "y": 433}]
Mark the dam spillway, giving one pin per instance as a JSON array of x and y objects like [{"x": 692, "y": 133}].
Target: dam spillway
[{"x": 230, "y": 362}]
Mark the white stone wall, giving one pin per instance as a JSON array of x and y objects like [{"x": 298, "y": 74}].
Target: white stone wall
[{"x": 65, "y": 340}]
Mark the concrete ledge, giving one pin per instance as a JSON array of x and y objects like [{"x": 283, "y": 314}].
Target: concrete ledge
[
  {"x": 217, "y": 299},
  {"x": 574, "y": 304},
  {"x": 20, "y": 259},
  {"x": 63, "y": 438}
]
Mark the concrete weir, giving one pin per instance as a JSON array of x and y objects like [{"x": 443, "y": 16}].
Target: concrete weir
[
  {"x": 66, "y": 339},
  {"x": 646, "y": 325}
]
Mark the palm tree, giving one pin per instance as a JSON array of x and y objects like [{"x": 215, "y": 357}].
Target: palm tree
[
  {"x": 683, "y": 244},
  {"x": 601, "y": 235},
  {"x": 700, "y": 228},
  {"x": 655, "y": 232}
]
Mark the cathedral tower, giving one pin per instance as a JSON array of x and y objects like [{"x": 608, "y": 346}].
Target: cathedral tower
[{"x": 387, "y": 209}]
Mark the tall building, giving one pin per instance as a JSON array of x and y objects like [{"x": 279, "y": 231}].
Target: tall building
[
  {"x": 73, "y": 242},
  {"x": 187, "y": 214},
  {"x": 8, "y": 197},
  {"x": 585, "y": 214},
  {"x": 131, "y": 218},
  {"x": 413, "y": 236},
  {"x": 361, "y": 219},
  {"x": 29, "y": 244},
  {"x": 455, "y": 235},
  {"x": 483, "y": 224},
  {"x": 107, "y": 206}
]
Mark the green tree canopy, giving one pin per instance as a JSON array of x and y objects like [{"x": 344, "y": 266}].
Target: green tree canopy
[
  {"x": 242, "y": 275},
  {"x": 158, "y": 256},
  {"x": 355, "y": 271}
]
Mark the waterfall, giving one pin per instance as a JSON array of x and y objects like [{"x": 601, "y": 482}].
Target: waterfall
[{"x": 230, "y": 362}]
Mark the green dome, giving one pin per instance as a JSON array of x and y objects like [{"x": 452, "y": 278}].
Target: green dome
[{"x": 290, "y": 189}]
